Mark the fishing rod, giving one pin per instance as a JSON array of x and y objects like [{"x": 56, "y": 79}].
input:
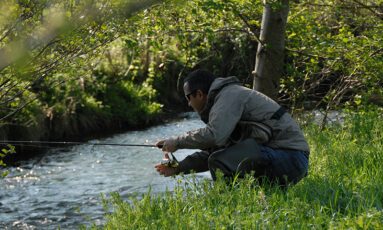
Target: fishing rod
[
  {"x": 168, "y": 162},
  {"x": 74, "y": 143}
]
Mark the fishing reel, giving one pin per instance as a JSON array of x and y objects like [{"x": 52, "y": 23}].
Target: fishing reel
[{"x": 171, "y": 162}]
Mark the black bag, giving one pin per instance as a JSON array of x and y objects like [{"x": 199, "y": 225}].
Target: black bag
[{"x": 241, "y": 158}]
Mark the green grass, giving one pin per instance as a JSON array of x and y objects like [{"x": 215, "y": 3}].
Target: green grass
[{"x": 344, "y": 190}]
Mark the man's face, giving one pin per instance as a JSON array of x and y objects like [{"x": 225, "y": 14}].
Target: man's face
[{"x": 196, "y": 99}]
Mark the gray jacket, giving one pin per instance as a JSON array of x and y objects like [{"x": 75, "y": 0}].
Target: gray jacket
[{"x": 237, "y": 113}]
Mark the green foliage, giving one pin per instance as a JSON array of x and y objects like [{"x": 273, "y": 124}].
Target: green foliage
[
  {"x": 334, "y": 50},
  {"x": 332, "y": 53},
  {"x": 127, "y": 102},
  {"x": 48, "y": 53},
  {"x": 166, "y": 41},
  {"x": 343, "y": 190},
  {"x": 4, "y": 152},
  {"x": 64, "y": 58}
]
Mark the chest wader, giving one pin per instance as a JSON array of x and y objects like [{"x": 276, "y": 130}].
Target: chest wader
[{"x": 242, "y": 158}]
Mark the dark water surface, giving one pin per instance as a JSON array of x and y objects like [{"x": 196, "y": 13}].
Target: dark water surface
[{"x": 61, "y": 189}]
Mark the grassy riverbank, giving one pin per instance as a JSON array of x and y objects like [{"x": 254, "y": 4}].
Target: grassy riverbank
[{"x": 344, "y": 189}]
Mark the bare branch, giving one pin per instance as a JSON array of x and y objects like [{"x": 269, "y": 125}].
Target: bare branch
[
  {"x": 45, "y": 47},
  {"x": 250, "y": 28},
  {"x": 343, "y": 6},
  {"x": 310, "y": 55},
  {"x": 370, "y": 8},
  {"x": 4, "y": 82},
  {"x": 22, "y": 18},
  {"x": 10, "y": 86},
  {"x": 19, "y": 108},
  {"x": 48, "y": 32},
  {"x": 9, "y": 31},
  {"x": 376, "y": 52}
]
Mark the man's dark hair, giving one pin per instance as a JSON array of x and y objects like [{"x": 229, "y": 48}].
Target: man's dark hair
[{"x": 200, "y": 80}]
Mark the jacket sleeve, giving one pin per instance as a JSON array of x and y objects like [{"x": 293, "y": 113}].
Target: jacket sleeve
[
  {"x": 223, "y": 118},
  {"x": 197, "y": 162}
]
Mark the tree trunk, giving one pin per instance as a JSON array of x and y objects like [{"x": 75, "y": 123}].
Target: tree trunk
[{"x": 270, "y": 54}]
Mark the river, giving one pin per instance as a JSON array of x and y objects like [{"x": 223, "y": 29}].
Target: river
[{"x": 61, "y": 188}]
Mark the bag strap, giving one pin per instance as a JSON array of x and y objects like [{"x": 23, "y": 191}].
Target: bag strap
[{"x": 278, "y": 114}]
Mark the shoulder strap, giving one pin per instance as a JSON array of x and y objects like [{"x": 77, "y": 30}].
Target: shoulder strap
[{"x": 278, "y": 114}]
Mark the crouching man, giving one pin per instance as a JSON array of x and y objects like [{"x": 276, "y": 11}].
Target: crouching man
[{"x": 245, "y": 132}]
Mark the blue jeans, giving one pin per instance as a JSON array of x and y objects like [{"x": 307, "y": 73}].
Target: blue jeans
[{"x": 285, "y": 166}]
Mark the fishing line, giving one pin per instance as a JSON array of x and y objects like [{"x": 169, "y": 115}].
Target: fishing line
[
  {"x": 73, "y": 143},
  {"x": 32, "y": 145},
  {"x": 169, "y": 162}
]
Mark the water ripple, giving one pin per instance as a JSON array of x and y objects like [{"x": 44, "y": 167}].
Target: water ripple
[{"x": 63, "y": 187}]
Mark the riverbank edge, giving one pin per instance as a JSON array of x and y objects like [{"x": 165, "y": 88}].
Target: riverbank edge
[{"x": 77, "y": 128}]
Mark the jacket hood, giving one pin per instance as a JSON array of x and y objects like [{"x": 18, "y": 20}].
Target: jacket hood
[
  {"x": 217, "y": 85},
  {"x": 220, "y": 82}
]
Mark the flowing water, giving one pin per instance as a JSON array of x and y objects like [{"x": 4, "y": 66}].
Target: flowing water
[{"x": 61, "y": 189}]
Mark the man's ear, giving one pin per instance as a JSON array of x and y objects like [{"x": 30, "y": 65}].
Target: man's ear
[{"x": 199, "y": 93}]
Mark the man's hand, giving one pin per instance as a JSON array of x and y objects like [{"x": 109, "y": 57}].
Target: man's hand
[
  {"x": 164, "y": 170},
  {"x": 168, "y": 145}
]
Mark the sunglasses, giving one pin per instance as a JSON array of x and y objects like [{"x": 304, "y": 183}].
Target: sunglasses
[{"x": 187, "y": 96}]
